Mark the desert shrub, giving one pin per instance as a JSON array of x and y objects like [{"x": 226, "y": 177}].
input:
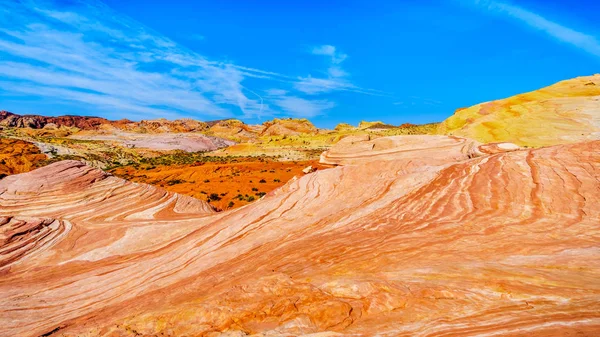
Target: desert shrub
[
  {"x": 251, "y": 198},
  {"x": 262, "y": 181},
  {"x": 175, "y": 182},
  {"x": 214, "y": 197},
  {"x": 260, "y": 194},
  {"x": 254, "y": 189},
  {"x": 230, "y": 204},
  {"x": 277, "y": 180}
]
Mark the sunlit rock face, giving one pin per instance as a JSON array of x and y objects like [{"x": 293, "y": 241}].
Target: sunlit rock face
[
  {"x": 566, "y": 112},
  {"x": 417, "y": 150},
  {"x": 465, "y": 241},
  {"x": 426, "y": 149}
]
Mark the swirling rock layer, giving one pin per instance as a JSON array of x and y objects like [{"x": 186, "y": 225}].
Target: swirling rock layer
[{"x": 501, "y": 244}]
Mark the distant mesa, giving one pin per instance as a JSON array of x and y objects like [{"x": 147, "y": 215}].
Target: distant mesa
[{"x": 9, "y": 119}]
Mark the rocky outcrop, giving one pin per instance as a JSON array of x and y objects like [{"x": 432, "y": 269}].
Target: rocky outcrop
[
  {"x": 189, "y": 142},
  {"x": 235, "y": 130},
  {"x": 424, "y": 149},
  {"x": 566, "y": 112},
  {"x": 163, "y": 125},
  {"x": 9, "y": 119},
  {"x": 288, "y": 127},
  {"x": 308, "y": 169},
  {"x": 18, "y": 156},
  {"x": 402, "y": 244}
]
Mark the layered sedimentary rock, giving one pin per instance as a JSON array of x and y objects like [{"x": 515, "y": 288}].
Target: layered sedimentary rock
[
  {"x": 426, "y": 150},
  {"x": 472, "y": 243},
  {"x": 566, "y": 112},
  {"x": 70, "y": 188}
]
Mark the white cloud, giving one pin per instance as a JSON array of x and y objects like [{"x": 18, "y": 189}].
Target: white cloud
[
  {"x": 335, "y": 71},
  {"x": 331, "y": 51},
  {"x": 326, "y": 49},
  {"x": 562, "y": 33},
  {"x": 313, "y": 86},
  {"x": 337, "y": 78}
]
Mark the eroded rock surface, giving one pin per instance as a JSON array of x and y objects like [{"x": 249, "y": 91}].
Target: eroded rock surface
[
  {"x": 18, "y": 156},
  {"x": 501, "y": 243},
  {"x": 425, "y": 150},
  {"x": 565, "y": 112}
]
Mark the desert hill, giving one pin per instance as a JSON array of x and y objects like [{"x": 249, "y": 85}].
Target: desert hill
[{"x": 566, "y": 112}]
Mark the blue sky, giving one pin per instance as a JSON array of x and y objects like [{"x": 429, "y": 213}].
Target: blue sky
[{"x": 329, "y": 61}]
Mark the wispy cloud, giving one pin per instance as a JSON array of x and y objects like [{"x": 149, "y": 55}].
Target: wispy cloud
[
  {"x": 336, "y": 57},
  {"x": 305, "y": 108},
  {"x": 89, "y": 55},
  {"x": 336, "y": 79},
  {"x": 583, "y": 41},
  {"x": 335, "y": 74}
]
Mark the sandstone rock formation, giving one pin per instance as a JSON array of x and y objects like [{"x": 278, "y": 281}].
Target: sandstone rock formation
[
  {"x": 435, "y": 242},
  {"x": 189, "y": 142},
  {"x": 38, "y": 122},
  {"x": 235, "y": 130},
  {"x": 288, "y": 127},
  {"x": 568, "y": 111},
  {"x": 162, "y": 126},
  {"x": 309, "y": 169},
  {"x": 426, "y": 149},
  {"x": 18, "y": 156}
]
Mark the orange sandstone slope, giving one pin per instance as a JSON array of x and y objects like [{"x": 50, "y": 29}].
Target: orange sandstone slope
[
  {"x": 566, "y": 112},
  {"x": 17, "y": 156},
  {"x": 468, "y": 240},
  {"x": 226, "y": 184}
]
